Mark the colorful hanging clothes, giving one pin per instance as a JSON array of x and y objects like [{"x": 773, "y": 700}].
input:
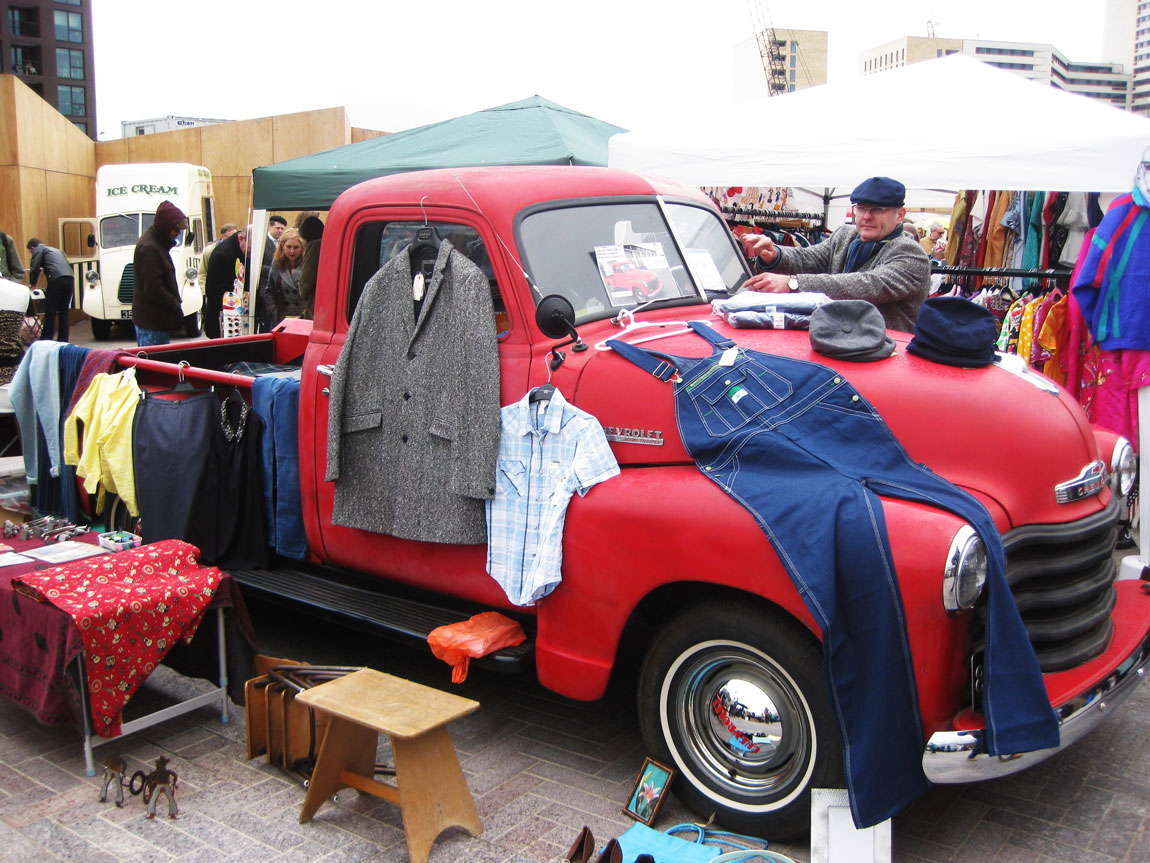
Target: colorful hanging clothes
[
  {"x": 1113, "y": 285},
  {"x": 1032, "y": 256},
  {"x": 1039, "y": 354},
  {"x": 98, "y": 438},
  {"x": 995, "y": 233},
  {"x": 1026, "y": 328},
  {"x": 1052, "y": 336}
]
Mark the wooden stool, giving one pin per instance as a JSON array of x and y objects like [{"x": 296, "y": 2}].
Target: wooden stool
[{"x": 429, "y": 785}]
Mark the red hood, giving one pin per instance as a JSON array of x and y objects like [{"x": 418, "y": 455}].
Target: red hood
[{"x": 987, "y": 430}]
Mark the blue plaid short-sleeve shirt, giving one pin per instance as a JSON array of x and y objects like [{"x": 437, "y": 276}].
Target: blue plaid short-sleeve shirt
[{"x": 547, "y": 451}]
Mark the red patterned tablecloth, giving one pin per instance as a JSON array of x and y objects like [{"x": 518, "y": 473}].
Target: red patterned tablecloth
[
  {"x": 123, "y": 612},
  {"x": 131, "y": 608}
]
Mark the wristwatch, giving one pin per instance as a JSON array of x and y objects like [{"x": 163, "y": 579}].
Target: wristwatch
[{"x": 793, "y": 283}]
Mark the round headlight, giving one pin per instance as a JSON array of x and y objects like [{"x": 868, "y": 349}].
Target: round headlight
[
  {"x": 965, "y": 574},
  {"x": 92, "y": 276},
  {"x": 1123, "y": 468},
  {"x": 192, "y": 274}
]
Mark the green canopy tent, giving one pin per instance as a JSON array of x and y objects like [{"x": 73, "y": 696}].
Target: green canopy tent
[{"x": 531, "y": 131}]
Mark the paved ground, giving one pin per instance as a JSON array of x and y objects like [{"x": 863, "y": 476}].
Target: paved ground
[{"x": 539, "y": 768}]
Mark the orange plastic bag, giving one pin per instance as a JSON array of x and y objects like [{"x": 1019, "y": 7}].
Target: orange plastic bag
[{"x": 480, "y": 635}]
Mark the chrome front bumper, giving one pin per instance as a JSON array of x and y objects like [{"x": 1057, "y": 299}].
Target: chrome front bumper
[{"x": 957, "y": 756}]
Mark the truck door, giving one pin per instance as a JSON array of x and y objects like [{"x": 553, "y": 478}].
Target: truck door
[
  {"x": 458, "y": 570},
  {"x": 78, "y": 243}
]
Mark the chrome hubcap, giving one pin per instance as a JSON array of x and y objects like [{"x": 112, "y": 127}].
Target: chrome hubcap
[{"x": 741, "y": 721}]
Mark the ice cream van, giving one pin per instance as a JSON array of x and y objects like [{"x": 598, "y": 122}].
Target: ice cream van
[{"x": 126, "y": 201}]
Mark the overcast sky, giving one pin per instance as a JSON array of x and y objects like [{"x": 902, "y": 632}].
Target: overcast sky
[{"x": 395, "y": 65}]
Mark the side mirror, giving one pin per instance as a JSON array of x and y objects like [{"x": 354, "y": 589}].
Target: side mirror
[
  {"x": 91, "y": 241},
  {"x": 555, "y": 316}
]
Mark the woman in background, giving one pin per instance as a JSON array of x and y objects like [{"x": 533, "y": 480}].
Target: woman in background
[{"x": 283, "y": 298}]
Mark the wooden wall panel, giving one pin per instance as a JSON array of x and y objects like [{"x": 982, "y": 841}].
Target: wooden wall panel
[
  {"x": 233, "y": 149},
  {"x": 48, "y": 167},
  {"x": 81, "y": 154},
  {"x": 35, "y": 218},
  {"x": 55, "y": 137},
  {"x": 67, "y": 195},
  {"x": 112, "y": 152},
  {"x": 29, "y": 128},
  {"x": 232, "y": 197},
  {"x": 358, "y": 135},
  {"x": 8, "y": 141},
  {"x": 302, "y": 134},
  {"x": 182, "y": 145},
  {"x": 11, "y": 213}
]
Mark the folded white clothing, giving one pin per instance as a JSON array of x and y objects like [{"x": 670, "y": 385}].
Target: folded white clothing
[{"x": 758, "y": 301}]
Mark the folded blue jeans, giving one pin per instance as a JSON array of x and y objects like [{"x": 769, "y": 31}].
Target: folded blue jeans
[{"x": 756, "y": 423}]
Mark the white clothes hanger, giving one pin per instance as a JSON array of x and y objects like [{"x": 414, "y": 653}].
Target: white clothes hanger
[{"x": 634, "y": 326}]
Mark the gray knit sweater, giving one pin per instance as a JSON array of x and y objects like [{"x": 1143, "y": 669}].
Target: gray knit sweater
[{"x": 896, "y": 278}]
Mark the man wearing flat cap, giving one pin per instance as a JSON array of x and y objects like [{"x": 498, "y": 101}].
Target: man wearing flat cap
[{"x": 873, "y": 260}]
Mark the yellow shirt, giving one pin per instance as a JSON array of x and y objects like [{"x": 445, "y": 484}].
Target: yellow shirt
[
  {"x": 106, "y": 410},
  {"x": 1026, "y": 329}
]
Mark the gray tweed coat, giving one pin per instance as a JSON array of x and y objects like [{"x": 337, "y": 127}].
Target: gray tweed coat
[
  {"x": 413, "y": 424},
  {"x": 896, "y": 278}
]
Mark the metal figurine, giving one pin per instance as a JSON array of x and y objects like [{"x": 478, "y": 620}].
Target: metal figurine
[
  {"x": 114, "y": 768},
  {"x": 161, "y": 781}
]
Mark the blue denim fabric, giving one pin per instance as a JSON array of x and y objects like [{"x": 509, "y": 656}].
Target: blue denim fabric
[
  {"x": 149, "y": 338},
  {"x": 763, "y": 423},
  {"x": 276, "y": 401},
  {"x": 71, "y": 362}
]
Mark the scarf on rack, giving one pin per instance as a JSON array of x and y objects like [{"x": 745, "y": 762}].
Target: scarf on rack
[{"x": 859, "y": 252}]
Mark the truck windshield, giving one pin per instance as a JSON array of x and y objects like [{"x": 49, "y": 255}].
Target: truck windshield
[
  {"x": 614, "y": 255},
  {"x": 123, "y": 229}
]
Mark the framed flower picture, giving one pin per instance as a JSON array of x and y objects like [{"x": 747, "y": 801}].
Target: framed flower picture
[{"x": 649, "y": 791}]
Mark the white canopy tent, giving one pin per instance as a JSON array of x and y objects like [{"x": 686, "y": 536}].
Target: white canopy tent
[{"x": 952, "y": 123}]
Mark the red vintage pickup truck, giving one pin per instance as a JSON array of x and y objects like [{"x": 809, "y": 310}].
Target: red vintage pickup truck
[{"x": 658, "y": 563}]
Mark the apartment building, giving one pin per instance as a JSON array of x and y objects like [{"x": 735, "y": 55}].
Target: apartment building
[
  {"x": 47, "y": 44},
  {"x": 1107, "y": 82}
]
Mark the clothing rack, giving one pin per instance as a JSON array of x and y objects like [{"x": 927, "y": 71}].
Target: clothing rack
[
  {"x": 1006, "y": 272},
  {"x": 770, "y": 215}
]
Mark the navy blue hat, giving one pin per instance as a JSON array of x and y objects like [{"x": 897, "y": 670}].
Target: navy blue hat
[
  {"x": 879, "y": 192},
  {"x": 955, "y": 332}
]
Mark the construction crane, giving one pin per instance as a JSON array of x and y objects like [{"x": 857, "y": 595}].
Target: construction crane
[{"x": 770, "y": 48}]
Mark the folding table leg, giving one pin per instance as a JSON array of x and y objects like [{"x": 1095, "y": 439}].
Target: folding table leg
[
  {"x": 85, "y": 723},
  {"x": 222, "y": 651}
]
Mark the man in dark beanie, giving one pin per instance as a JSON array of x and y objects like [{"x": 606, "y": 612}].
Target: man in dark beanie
[
  {"x": 61, "y": 287},
  {"x": 874, "y": 259},
  {"x": 156, "y": 300}
]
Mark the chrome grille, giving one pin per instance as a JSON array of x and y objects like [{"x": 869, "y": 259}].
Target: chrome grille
[
  {"x": 127, "y": 285},
  {"x": 1062, "y": 577}
]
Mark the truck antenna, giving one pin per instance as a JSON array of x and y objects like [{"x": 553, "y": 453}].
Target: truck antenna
[{"x": 538, "y": 291}]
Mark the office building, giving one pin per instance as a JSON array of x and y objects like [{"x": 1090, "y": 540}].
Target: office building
[
  {"x": 1104, "y": 81},
  {"x": 779, "y": 60},
  {"x": 47, "y": 44},
  {"x": 1140, "y": 88}
]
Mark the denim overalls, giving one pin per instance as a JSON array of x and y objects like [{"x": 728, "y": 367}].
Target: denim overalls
[{"x": 756, "y": 424}]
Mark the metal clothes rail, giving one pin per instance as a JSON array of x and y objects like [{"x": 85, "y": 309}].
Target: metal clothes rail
[{"x": 1005, "y": 272}]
